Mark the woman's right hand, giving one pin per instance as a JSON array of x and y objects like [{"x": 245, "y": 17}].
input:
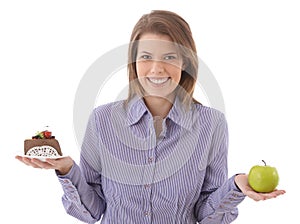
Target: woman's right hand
[{"x": 62, "y": 165}]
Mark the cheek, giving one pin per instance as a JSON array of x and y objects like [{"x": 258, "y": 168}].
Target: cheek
[
  {"x": 141, "y": 69},
  {"x": 175, "y": 73}
]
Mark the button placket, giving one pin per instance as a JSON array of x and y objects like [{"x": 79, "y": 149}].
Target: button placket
[
  {"x": 149, "y": 173},
  {"x": 147, "y": 180}
]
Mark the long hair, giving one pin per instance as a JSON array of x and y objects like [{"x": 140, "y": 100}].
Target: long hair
[{"x": 170, "y": 24}]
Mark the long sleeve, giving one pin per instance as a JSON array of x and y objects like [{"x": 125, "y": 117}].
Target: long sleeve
[
  {"x": 80, "y": 199},
  {"x": 83, "y": 197},
  {"x": 219, "y": 197}
]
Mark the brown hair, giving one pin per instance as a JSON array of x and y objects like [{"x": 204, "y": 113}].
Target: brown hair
[{"x": 170, "y": 24}]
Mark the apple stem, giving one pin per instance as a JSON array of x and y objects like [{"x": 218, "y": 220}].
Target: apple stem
[{"x": 264, "y": 162}]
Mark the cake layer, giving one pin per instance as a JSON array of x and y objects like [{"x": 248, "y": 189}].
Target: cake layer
[{"x": 45, "y": 146}]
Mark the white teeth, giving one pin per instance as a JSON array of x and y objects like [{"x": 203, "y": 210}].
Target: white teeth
[{"x": 158, "y": 80}]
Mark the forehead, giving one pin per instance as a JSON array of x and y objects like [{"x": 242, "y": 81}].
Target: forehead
[{"x": 156, "y": 42}]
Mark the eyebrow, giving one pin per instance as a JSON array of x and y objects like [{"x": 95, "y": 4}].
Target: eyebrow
[
  {"x": 170, "y": 53},
  {"x": 146, "y": 52}
]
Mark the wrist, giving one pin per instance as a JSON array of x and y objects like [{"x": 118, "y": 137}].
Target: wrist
[
  {"x": 237, "y": 181},
  {"x": 65, "y": 170}
]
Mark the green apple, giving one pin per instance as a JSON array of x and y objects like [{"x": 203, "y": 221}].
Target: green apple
[{"x": 263, "y": 179}]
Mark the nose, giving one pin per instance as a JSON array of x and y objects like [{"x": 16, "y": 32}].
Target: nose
[{"x": 156, "y": 67}]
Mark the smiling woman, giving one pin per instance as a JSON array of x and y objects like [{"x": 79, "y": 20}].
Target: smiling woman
[{"x": 159, "y": 156}]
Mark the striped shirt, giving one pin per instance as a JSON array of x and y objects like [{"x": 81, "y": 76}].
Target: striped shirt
[{"x": 132, "y": 172}]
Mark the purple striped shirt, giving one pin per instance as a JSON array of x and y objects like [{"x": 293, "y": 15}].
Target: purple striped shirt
[{"x": 129, "y": 174}]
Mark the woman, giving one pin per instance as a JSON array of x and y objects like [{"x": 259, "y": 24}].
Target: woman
[{"x": 159, "y": 156}]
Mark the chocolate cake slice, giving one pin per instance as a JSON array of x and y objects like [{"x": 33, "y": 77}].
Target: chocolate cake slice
[{"x": 42, "y": 147}]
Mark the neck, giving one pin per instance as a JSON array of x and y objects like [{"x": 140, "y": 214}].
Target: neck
[{"x": 159, "y": 106}]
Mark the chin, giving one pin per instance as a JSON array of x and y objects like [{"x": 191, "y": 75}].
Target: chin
[{"x": 165, "y": 95}]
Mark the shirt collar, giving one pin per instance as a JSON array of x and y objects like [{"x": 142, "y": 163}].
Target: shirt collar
[
  {"x": 179, "y": 113},
  {"x": 136, "y": 109}
]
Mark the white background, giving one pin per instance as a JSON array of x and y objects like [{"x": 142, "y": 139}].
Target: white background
[{"x": 251, "y": 47}]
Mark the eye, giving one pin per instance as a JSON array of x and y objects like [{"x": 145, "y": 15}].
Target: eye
[
  {"x": 145, "y": 57},
  {"x": 170, "y": 57}
]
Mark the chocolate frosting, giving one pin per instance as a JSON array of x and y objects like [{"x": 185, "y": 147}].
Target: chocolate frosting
[{"x": 30, "y": 143}]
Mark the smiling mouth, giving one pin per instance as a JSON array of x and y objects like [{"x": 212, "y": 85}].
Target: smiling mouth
[{"x": 158, "y": 81}]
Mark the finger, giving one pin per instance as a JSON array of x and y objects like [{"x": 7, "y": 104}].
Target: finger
[
  {"x": 255, "y": 196},
  {"x": 264, "y": 196},
  {"x": 60, "y": 161},
  {"x": 53, "y": 162},
  {"x": 41, "y": 164},
  {"x": 274, "y": 194},
  {"x": 28, "y": 162},
  {"x": 280, "y": 192},
  {"x": 20, "y": 158}
]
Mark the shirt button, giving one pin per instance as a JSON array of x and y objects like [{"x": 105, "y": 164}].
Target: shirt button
[
  {"x": 150, "y": 159},
  {"x": 146, "y": 213},
  {"x": 234, "y": 194},
  {"x": 147, "y": 186}
]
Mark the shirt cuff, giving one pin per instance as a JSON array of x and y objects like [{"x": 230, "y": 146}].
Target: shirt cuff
[
  {"x": 72, "y": 177},
  {"x": 232, "y": 198}
]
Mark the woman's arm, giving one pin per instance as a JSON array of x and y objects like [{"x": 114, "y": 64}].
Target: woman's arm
[
  {"x": 82, "y": 200},
  {"x": 219, "y": 195}
]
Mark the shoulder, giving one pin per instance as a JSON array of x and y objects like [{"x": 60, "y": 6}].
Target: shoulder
[
  {"x": 211, "y": 121},
  {"x": 205, "y": 113},
  {"x": 106, "y": 112},
  {"x": 107, "y": 108}
]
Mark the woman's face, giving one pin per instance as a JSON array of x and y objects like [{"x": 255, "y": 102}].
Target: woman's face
[{"x": 158, "y": 64}]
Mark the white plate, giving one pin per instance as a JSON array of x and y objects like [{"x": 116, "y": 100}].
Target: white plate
[{"x": 43, "y": 158}]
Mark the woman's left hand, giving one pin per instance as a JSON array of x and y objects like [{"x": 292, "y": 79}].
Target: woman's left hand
[{"x": 241, "y": 181}]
